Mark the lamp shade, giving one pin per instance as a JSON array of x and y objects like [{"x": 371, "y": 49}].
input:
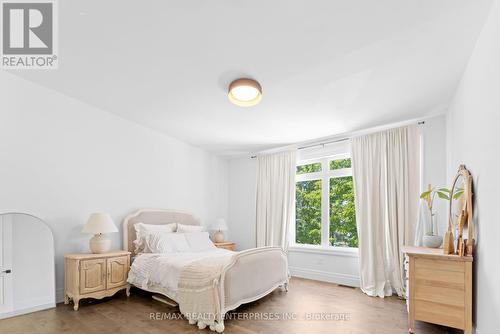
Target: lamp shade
[
  {"x": 220, "y": 225},
  {"x": 99, "y": 223}
]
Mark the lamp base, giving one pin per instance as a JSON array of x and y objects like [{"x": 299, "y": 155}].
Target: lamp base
[
  {"x": 219, "y": 236},
  {"x": 99, "y": 244}
]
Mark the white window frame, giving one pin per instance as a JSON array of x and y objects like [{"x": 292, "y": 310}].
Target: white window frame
[{"x": 325, "y": 175}]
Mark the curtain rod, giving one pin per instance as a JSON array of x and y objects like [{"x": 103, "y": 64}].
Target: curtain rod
[
  {"x": 314, "y": 145},
  {"x": 329, "y": 142}
]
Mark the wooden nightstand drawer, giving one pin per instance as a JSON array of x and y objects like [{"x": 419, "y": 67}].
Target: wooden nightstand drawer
[{"x": 95, "y": 275}]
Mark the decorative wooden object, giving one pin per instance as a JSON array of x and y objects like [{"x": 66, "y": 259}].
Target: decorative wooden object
[
  {"x": 465, "y": 247},
  {"x": 95, "y": 275},
  {"x": 440, "y": 288},
  {"x": 226, "y": 245},
  {"x": 448, "y": 247},
  {"x": 460, "y": 239}
]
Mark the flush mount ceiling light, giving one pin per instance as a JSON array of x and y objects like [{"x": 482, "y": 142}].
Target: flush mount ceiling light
[{"x": 245, "y": 92}]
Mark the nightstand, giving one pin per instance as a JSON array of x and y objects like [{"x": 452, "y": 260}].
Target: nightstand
[
  {"x": 95, "y": 275},
  {"x": 226, "y": 245}
]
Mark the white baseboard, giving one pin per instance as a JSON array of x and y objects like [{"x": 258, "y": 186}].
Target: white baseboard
[
  {"x": 319, "y": 275},
  {"x": 27, "y": 310}
]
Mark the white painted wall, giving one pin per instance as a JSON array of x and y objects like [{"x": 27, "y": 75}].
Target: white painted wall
[
  {"x": 434, "y": 163},
  {"x": 342, "y": 266},
  {"x": 242, "y": 202},
  {"x": 474, "y": 124},
  {"x": 61, "y": 159}
]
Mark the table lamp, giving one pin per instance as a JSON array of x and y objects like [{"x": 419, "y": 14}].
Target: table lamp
[
  {"x": 98, "y": 224},
  {"x": 219, "y": 226}
]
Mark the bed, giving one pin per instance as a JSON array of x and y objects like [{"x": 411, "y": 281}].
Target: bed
[{"x": 247, "y": 276}]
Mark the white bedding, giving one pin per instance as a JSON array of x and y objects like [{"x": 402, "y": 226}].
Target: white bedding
[{"x": 164, "y": 270}]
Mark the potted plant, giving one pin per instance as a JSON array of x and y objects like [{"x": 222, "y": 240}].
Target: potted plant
[{"x": 431, "y": 238}]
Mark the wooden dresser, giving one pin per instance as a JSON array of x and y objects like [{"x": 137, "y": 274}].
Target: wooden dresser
[
  {"x": 95, "y": 275},
  {"x": 226, "y": 245},
  {"x": 440, "y": 288}
]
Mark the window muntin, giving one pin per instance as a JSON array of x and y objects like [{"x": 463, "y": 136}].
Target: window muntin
[{"x": 325, "y": 212}]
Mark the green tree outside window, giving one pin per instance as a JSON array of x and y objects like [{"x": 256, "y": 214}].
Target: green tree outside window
[
  {"x": 343, "y": 231},
  {"x": 342, "y": 217},
  {"x": 308, "y": 212}
]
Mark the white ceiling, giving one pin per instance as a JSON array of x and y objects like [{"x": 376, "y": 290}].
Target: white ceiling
[{"x": 326, "y": 67}]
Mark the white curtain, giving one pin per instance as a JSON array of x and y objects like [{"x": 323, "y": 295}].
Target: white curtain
[
  {"x": 424, "y": 223},
  {"x": 386, "y": 181},
  {"x": 275, "y": 198}
]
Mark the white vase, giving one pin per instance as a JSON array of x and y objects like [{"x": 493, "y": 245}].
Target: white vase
[{"x": 432, "y": 241}]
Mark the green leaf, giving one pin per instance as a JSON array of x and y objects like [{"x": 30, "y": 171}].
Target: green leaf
[
  {"x": 446, "y": 190},
  {"x": 458, "y": 194},
  {"x": 443, "y": 195},
  {"x": 425, "y": 194}
]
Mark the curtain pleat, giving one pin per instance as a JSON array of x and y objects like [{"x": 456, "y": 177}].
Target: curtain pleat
[
  {"x": 385, "y": 175},
  {"x": 275, "y": 198}
]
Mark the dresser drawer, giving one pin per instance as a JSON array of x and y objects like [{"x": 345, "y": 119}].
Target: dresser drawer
[
  {"x": 441, "y": 265},
  {"x": 440, "y": 278},
  {"x": 440, "y": 282},
  {"x": 441, "y": 314}
]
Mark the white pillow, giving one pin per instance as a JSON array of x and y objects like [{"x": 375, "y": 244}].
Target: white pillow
[
  {"x": 161, "y": 242},
  {"x": 189, "y": 228},
  {"x": 199, "y": 241},
  {"x": 142, "y": 230}
]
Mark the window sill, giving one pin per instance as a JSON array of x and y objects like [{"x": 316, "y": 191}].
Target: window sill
[{"x": 336, "y": 251}]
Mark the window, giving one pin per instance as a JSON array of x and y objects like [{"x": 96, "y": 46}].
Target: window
[{"x": 324, "y": 203}]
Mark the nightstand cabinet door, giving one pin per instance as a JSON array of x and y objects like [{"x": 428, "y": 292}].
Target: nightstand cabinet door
[
  {"x": 117, "y": 271},
  {"x": 92, "y": 275}
]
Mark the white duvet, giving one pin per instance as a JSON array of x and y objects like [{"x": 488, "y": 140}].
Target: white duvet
[{"x": 164, "y": 270}]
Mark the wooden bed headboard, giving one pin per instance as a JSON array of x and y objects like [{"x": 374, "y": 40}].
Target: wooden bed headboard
[{"x": 155, "y": 217}]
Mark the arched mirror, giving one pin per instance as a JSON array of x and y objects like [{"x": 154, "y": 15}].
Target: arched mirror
[
  {"x": 459, "y": 239},
  {"x": 27, "y": 278}
]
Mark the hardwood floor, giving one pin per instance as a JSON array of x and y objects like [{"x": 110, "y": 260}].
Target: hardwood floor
[{"x": 119, "y": 314}]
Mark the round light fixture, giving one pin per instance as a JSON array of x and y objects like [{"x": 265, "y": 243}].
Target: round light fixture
[{"x": 245, "y": 92}]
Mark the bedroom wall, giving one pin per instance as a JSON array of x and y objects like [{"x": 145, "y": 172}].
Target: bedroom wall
[
  {"x": 242, "y": 198},
  {"x": 473, "y": 122},
  {"x": 62, "y": 159},
  {"x": 340, "y": 266},
  {"x": 434, "y": 161}
]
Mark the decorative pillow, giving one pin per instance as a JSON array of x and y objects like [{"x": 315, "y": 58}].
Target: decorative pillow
[
  {"x": 189, "y": 228},
  {"x": 142, "y": 230},
  {"x": 161, "y": 242},
  {"x": 199, "y": 241}
]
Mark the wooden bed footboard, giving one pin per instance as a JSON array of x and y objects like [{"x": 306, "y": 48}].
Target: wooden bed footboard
[{"x": 251, "y": 275}]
